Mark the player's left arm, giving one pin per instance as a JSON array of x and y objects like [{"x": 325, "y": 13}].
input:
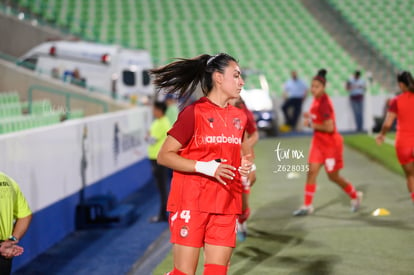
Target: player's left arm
[
  {"x": 252, "y": 139},
  {"x": 246, "y": 146},
  {"x": 327, "y": 126},
  {"x": 247, "y": 156}
]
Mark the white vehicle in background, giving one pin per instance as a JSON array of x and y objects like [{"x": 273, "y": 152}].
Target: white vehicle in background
[
  {"x": 258, "y": 99},
  {"x": 118, "y": 71}
]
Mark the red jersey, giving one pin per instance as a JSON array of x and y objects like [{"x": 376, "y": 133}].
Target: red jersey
[
  {"x": 251, "y": 122},
  {"x": 402, "y": 105},
  {"x": 321, "y": 110},
  {"x": 207, "y": 132}
]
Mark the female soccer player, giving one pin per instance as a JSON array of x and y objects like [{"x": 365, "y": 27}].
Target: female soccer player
[
  {"x": 204, "y": 149},
  {"x": 401, "y": 109},
  {"x": 326, "y": 148}
]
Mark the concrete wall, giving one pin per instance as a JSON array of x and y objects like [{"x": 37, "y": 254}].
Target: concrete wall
[
  {"x": 19, "y": 36},
  {"x": 14, "y": 78},
  {"x": 56, "y": 166}
]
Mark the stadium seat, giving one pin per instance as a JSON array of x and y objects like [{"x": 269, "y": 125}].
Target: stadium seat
[
  {"x": 77, "y": 113},
  {"x": 384, "y": 24},
  {"x": 260, "y": 36},
  {"x": 15, "y": 115}
]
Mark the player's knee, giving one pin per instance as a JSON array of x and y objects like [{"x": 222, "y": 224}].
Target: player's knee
[
  {"x": 333, "y": 176},
  {"x": 215, "y": 269}
]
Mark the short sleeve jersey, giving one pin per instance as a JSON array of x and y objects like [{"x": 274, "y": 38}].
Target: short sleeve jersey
[
  {"x": 208, "y": 132},
  {"x": 13, "y": 205},
  {"x": 320, "y": 111},
  {"x": 402, "y": 105}
]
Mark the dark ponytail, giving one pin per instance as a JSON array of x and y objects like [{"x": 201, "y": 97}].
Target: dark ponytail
[
  {"x": 321, "y": 76},
  {"x": 406, "y": 78},
  {"x": 182, "y": 76}
]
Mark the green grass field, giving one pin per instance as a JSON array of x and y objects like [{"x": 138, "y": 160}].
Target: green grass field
[
  {"x": 332, "y": 240},
  {"x": 384, "y": 154}
]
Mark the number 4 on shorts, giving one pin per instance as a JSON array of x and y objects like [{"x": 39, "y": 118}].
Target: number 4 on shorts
[{"x": 185, "y": 215}]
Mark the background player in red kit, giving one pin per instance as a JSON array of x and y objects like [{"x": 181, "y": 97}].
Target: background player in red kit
[
  {"x": 401, "y": 108},
  {"x": 204, "y": 150},
  {"x": 247, "y": 182},
  {"x": 326, "y": 148}
]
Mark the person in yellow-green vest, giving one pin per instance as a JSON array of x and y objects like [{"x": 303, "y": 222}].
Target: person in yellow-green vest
[
  {"x": 15, "y": 217},
  {"x": 156, "y": 137}
]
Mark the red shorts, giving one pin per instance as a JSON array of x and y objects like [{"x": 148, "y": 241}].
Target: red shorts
[
  {"x": 193, "y": 228},
  {"x": 330, "y": 157},
  {"x": 405, "y": 154}
]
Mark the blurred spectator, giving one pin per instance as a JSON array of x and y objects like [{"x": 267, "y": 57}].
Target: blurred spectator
[
  {"x": 156, "y": 137},
  {"x": 356, "y": 87},
  {"x": 15, "y": 217},
  {"x": 295, "y": 92},
  {"x": 74, "y": 77},
  {"x": 172, "y": 108},
  {"x": 77, "y": 79}
]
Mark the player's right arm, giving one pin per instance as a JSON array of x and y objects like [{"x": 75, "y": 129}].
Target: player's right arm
[
  {"x": 389, "y": 120},
  {"x": 386, "y": 126},
  {"x": 168, "y": 156}
]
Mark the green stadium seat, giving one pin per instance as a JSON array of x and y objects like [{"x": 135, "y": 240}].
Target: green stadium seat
[
  {"x": 77, "y": 113},
  {"x": 41, "y": 107},
  {"x": 262, "y": 36},
  {"x": 9, "y": 97},
  {"x": 382, "y": 23}
]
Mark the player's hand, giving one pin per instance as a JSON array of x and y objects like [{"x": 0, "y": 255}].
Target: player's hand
[
  {"x": 217, "y": 169},
  {"x": 224, "y": 171},
  {"x": 306, "y": 115},
  {"x": 246, "y": 165},
  {"x": 307, "y": 123},
  {"x": 380, "y": 139}
]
